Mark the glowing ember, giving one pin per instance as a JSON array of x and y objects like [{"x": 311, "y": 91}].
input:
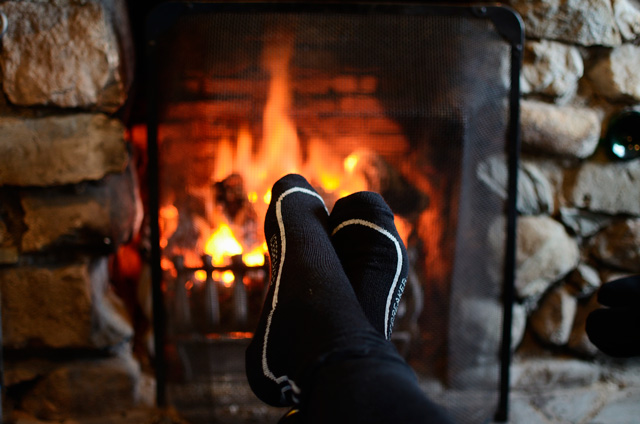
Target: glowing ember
[{"x": 228, "y": 278}]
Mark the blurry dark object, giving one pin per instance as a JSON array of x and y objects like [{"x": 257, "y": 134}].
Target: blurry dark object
[
  {"x": 616, "y": 330},
  {"x": 622, "y": 139}
]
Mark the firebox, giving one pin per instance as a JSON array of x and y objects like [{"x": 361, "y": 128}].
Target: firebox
[{"x": 415, "y": 102}]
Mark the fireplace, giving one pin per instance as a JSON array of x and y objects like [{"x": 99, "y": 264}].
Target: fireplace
[
  {"x": 70, "y": 206},
  {"x": 408, "y": 101}
]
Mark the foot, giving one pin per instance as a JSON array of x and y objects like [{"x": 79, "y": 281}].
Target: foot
[
  {"x": 372, "y": 254},
  {"x": 311, "y": 311}
]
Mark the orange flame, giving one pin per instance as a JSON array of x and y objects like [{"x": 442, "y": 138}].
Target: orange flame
[{"x": 222, "y": 245}]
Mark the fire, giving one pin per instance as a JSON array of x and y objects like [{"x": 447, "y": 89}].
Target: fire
[
  {"x": 222, "y": 245},
  {"x": 256, "y": 256},
  {"x": 258, "y": 164}
]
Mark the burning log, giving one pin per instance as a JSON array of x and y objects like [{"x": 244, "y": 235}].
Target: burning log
[
  {"x": 191, "y": 225},
  {"x": 400, "y": 194},
  {"x": 231, "y": 198}
]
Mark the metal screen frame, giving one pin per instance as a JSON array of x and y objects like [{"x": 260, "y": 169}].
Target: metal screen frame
[{"x": 507, "y": 23}]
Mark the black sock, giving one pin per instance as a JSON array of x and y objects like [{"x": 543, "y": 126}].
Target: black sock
[
  {"x": 311, "y": 312},
  {"x": 372, "y": 255},
  {"x": 614, "y": 330}
]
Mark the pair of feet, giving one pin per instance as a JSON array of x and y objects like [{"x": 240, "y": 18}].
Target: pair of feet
[{"x": 336, "y": 281}]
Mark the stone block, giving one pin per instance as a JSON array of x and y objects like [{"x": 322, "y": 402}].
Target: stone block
[
  {"x": 67, "y": 54},
  {"x": 8, "y": 246},
  {"x": 585, "y": 22},
  {"x": 60, "y": 150},
  {"x": 551, "y": 68},
  {"x": 619, "y": 245},
  {"x": 578, "y": 340},
  {"x": 535, "y": 194},
  {"x": 583, "y": 222},
  {"x": 605, "y": 187},
  {"x": 553, "y": 320},
  {"x": 559, "y": 130},
  {"x": 544, "y": 254},
  {"x": 105, "y": 213},
  {"x": 627, "y": 16},
  {"x": 64, "y": 307},
  {"x": 85, "y": 388},
  {"x": 615, "y": 75},
  {"x": 551, "y": 373},
  {"x": 584, "y": 280}
]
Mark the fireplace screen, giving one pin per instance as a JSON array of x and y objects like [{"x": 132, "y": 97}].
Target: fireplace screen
[{"x": 417, "y": 103}]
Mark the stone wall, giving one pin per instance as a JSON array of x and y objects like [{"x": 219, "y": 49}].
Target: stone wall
[
  {"x": 68, "y": 199},
  {"x": 580, "y": 210}
]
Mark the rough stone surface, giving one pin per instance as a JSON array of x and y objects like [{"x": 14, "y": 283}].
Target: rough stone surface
[
  {"x": 553, "y": 320},
  {"x": 559, "y": 130},
  {"x": 19, "y": 371},
  {"x": 551, "y": 373},
  {"x": 535, "y": 194},
  {"x": 606, "y": 187},
  {"x": 61, "y": 53},
  {"x": 60, "y": 149},
  {"x": 544, "y": 254},
  {"x": 578, "y": 340},
  {"x": 619, "y": 245},
  {"x": 8, "y": 247},
  {"x": 551, "y": 68},
  {"x": 616, "y": 74},
  {"x": 627, "y": 16},
  {"x": 70, "y": 390},
  {"x": 621, "y": 409},
  {"x": 568, "y": 406},
  {"x": 65, "y": 307},
  {"x": 91, "y": 214},
  {"x": 583, "y": 222},
  {"x": 584, "y": 280},
  {"x": 598, "y": 403},
  {"x": 585, "y": 22}
]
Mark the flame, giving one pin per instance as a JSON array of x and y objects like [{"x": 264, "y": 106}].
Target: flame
[
  {"x": 260, "y": 163},
  {"x": 168, "y": 217},
  {"x": 350, "y": 162},
  {"x": 256, "y": 256},
  {"x": 222, "y": 245}
]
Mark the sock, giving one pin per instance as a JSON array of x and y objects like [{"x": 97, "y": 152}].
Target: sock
[
  {"x": 372, "y": 255},
  {"x": 310, "y": 312},
  {"x": 614, "y": 330}
]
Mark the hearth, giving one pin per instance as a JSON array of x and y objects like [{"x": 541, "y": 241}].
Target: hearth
[{"x": 407, "y": 100}]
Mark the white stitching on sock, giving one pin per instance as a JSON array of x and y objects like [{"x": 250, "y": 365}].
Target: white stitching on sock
[
  {"x": 283, "y": 245},
  {"x": 398, "y": 266}
]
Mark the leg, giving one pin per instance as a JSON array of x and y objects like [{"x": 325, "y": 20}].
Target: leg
[
  {"x": 314, "y": 346},
  {"x": 376, "y": 389}
]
